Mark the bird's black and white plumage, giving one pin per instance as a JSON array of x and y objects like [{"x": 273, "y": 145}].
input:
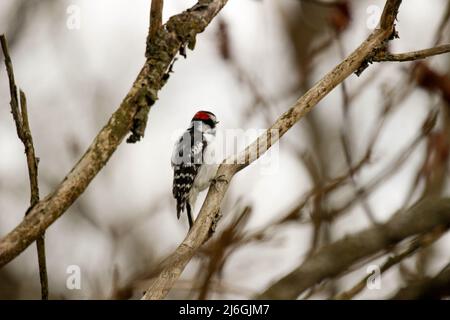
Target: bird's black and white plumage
[{"x": 193, "y": 161}]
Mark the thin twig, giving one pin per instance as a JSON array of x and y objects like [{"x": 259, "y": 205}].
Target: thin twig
[
  {"x": 210, "y": 211},
  {"x": 12, "y": 87},
  {"x": 24, "y": 134},
  {"x": 418, "y": 243},
  {"x": 156, "y": 11},
  {"x": 325, "y": 3},
  {"x": 346, "y": 142},
  {"x": 178, "y": 30},
  {"x": 334, "y": 259},
  {"x": 295, "y": 212},
  {"x": 428, "y": 288},
  {"x": 32, "y": 161},
  {"x": 411, "y": 56},
  {"x": 218, "y": 252},
  {"x": 442, "y": 25},
  {"x": 389, "y": 170}
]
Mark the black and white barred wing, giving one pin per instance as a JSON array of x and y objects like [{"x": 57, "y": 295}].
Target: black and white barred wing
[{"x": 186, "y": 162}]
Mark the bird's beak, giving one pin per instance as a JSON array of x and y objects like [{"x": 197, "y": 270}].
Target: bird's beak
[{"x": 217, "y": 122}]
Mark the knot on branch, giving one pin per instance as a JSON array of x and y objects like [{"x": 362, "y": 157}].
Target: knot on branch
[
  {"x": 215, "y": 221},
  {"x": 377, "y": 54}
]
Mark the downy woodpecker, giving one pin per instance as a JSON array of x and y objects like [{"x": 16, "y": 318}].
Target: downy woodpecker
[{"x": 193, "y": 162}]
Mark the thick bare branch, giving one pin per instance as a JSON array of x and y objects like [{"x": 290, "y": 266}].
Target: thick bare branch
[
  {"x": 210, "y": 211},
  {"x": 181, "y": 29},
  {"x": 334, "y": 259}
]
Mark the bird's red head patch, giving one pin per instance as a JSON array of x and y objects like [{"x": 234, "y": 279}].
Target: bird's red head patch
[{"x": 204, "y": 116}]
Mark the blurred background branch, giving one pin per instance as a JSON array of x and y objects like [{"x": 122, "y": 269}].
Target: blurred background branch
[
  {"x": 163, "y": 48},
  {"x": 210, "y": 212},
  {"x": 333, "y": 259},
  {"x": 375, "y": 147}
]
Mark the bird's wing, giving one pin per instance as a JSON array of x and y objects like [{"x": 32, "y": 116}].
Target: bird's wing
[{"x": 186, "y": 161}]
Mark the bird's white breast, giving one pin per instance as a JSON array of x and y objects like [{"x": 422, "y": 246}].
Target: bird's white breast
[{"x": 209, "y": 167}]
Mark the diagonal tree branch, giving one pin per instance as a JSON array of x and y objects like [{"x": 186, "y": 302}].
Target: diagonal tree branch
[
  {"x": 210, "y": 211},
  {"x": 335, "y": 258},
  {"x": 428, "y": 288},
  {"x": 419, "y": 243},
  {"x": 180, "y": 30}
]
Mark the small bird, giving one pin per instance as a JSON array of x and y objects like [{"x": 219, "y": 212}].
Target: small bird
[{"x": 193, "y": 162}]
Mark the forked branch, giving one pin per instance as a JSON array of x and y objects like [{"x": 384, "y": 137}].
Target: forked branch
[
  {"x": 210, "y": 211},
  {"x": 24, "y": 133},
  {"x": 179, "y": 31}
]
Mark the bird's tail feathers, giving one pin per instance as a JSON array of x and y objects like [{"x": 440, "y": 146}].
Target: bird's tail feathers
[{"x": 180, "y": 208}]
